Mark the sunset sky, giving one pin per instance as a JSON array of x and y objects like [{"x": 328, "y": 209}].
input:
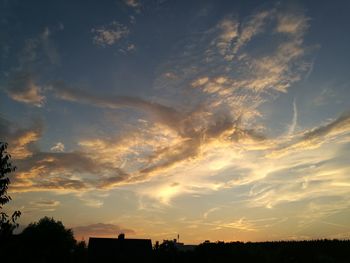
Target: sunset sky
[{"x": 214, "y": 120}]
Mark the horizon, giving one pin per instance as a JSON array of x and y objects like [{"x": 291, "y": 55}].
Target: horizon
[{"x": 216, "y": 121}]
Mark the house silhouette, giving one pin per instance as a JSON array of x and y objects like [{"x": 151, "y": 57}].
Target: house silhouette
[{"x": 119, "y": 249}]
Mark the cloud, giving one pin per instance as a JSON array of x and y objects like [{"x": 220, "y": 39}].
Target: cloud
[
  {"x": 22, "y": 87},
  {"x": 161, "y": 113},
  {"x": 338, "y": 126},
  {"x": 100, "y": 230},
  {"x": 58, "y": 147},
  {"x": 64, "y": 172},
  {"x": 291, "y": 23},
  {"x": 190, "y": 132},
  {"x": 131, "y": 47},
  {"x": 241, "y": 224},
  {"x": 314, "y": 138},
  {"x": 39, "y": 49},
  {"x": 43, "y": 205},
  {"x": 54, "y": 171},
  {"x": 229, "y": 32},
  {"x": 253, "y": 26},
  {"x": 294, "y": 120},
  {"x": 225, "y": 116},
  {"x": 213, "y": 138},
  {"x": 210, "y": 211},
  {"x": 301, "y": 183},
  {"x": 324, "y": 98},
  {"x": 48, "y": 46},
  {"x": 203, "y": 135},
  {"x": 21, "y": 140},
  {"x": 22, "y": 83},
  {"x": 200, "y": 82},
  {"x": 134, "y": 4},
  {"x": 234, "y": 34},
  {"x": 110, "y": 34}
]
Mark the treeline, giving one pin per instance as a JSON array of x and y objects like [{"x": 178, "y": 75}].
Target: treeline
[
  {"x": 44, "y": 241},
  {"x": 320, "y": 251}
]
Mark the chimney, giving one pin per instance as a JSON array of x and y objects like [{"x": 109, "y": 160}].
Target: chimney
[{"x": 121, "y": 236}]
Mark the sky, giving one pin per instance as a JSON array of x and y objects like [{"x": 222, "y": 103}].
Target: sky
[{"x": 214, "y": 120}]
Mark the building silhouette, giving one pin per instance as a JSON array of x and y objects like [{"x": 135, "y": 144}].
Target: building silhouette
[{"x": 119, "y": 249}]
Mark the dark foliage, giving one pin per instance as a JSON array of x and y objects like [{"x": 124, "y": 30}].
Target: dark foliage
[
  {"x": 48, "y": 241},
  {"x": 7, "y": 223},
  {"x": 318, "y": 251},
  {"x": 45, "y": 241}
]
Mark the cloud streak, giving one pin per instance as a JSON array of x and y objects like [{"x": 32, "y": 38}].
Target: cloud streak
[{"x": 294, "y": 120}]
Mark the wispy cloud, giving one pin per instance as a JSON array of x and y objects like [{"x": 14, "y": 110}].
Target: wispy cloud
[
  {"x": 211, "y": 210},
  {"x": 110, "y": 34},
  {"x": 250, "y": 28},
  {"x": 162, "y": 113},
  {"x": 22, "y": 87},
  {"x": 46, "y": 205},
  {"x": 314, "y": 138},
  {"x": 294, "y": 120},
  {"x": 23, "y": 82},
  {"x": 294, "y": 24},
  {"x": 326, "y": 95}
]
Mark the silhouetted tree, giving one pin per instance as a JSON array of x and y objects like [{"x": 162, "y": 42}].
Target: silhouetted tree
[
  {"x": 166, "y": 251},
  {"x": 7, "y": 223},
  {"x": 48, "y": 241},
  {"x": 80, "y": 253}
]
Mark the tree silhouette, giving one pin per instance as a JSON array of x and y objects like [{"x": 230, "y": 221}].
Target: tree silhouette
[
  {"x": 7, "y": 223},
  {"x": 48, "y": 241}
]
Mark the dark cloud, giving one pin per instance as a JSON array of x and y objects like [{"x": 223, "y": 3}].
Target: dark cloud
[
  {"x": 34, "y": 183},
  {"x": 317, "y": 136},
  {"x": 73, "y": 161},
  {"x": 336, "y": 126},
  {"x": 22, "y": 87},
  {"x": 118, "y": 176},
  {"x": 21, "y": 140},
  {"x": 65, "y": 171},
  {"x": 161, "y": 113},
  {"x": 172, "y": 155}
]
